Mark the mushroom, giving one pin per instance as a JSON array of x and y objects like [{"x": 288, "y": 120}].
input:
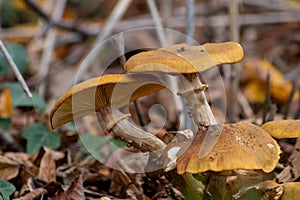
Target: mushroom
[
  {"x": 281, "y": 129},
  {"x": 240, "y": 146},
  {"x": 104, "y": 95},
  {"x": 189, "y": 61}
]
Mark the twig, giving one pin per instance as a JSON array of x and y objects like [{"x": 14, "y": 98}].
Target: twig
[
  {"x": 60, "y": 24},
  {"x": 297, "y": 115},
  {"x": 15, "y": 69},
  {"x": 49, "y": 45},
  {"x": 290, "y": 100},
  {"x": 164, "y": 41},
  {"x": 113, "y": 19},
  {"x": 166, "y": 10},
  {"x": 267, "y": 103},
  {"x": 234, "y": 73},
  {"x": 158, "y": 24},
  {"x": 190, "y": 23}
]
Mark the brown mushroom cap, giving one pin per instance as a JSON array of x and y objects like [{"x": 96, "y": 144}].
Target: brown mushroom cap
[
  {"x": 283, "y": 128},
  {"x": 240, "y": 146},
  {"x": 91, "y": 95},
  {"x": 185, "y": 59}
]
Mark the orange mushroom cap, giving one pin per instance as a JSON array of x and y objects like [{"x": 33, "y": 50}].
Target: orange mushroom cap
[
  {"x": 280, "y": 129},
  {"x": 185, "y": 58},
  {"x": 89, "y": 96},
  {"x": 240, "y": 146}
]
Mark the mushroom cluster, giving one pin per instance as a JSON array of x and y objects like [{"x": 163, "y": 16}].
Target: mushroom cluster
[{"x": 213, "y": 147}]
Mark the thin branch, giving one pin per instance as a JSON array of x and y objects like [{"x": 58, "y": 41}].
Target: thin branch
[
  {"x": 267, "y": 103},
  {"x": 290, "y": 101},
  {"x": 15, "y": 69},
  {"x": 49, "y": 44},
  {"x": 158, "y": 24},
  {"x": 113, "y": 19},
  {"x": 234, "y": 72},
  {"x": 190, "y": 21},
  {"x": 60, "y": 24}
]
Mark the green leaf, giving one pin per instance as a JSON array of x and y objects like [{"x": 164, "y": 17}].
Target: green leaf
[
  {"x": 18, "y": 53},
  {"x": 92, "y": 145},
  {"x": 5, "y": 123},
  {"x": 116, "y": 144},
  {"x": 37, "y": 136},
  {"x": 6, "y": 189},
  {"x": 19, "y": 97}
]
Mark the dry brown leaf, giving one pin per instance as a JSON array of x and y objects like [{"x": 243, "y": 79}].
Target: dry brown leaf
[
  {"x": 283, "y": 128},
  {"x": 35, "y": 194},
  {"x": 9, "y": 168},
  {"x": 47, "y": 167},
  {"x": 292, "y": 171},
  {"x": 74, "y": 192}
]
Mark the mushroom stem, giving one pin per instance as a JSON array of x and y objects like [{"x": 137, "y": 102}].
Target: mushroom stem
[
  {"x": 192, "y": 90},
  {"x": 120, "y": 125}
]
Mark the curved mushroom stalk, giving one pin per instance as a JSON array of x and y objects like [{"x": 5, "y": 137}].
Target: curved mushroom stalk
[
  {"x": 96, "y": 96},
  {"x": 121, "y": 126}
]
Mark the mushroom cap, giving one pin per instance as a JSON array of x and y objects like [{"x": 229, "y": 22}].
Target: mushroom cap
[
  {"x": 240, "y": 146},
  {"x": 280, "y": 129},
  {"x": 291, "y": 190},
  {"x": 112, "y": 89},
  {"x": 185, "y": 58}
]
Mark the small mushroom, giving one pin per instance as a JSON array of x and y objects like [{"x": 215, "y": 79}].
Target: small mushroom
[
  {"x": 189, "y": 61},
  {"x": 281, "y": 129},
  {"x": 104, "y": 95},
  {"x": 240, "y": 146}
]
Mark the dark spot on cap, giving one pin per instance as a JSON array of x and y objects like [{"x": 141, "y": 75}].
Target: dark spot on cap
[{"x": 180, "y": 50}]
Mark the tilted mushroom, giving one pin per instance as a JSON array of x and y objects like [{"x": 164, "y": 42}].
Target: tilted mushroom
[
  {"x": 240, "y": 146},
  {"x": 104, "y": 95},
  {"x": 189, "y": 61}
]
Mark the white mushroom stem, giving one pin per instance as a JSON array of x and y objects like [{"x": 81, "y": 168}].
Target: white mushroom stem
[
  {"x": 120, "y": 125},
  {"x": 192, "y": 90}
]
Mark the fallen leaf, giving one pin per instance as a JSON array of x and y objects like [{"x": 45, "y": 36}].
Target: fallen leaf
[
  {"x": 292, "y": 171},
  {"x": 8, "y": 168},
  {"x": 35, "y": 194},
  {"x": 6, "y": 189},
  {"x": 47, "y": 167},
  {"x": 74, "y": 192}
]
